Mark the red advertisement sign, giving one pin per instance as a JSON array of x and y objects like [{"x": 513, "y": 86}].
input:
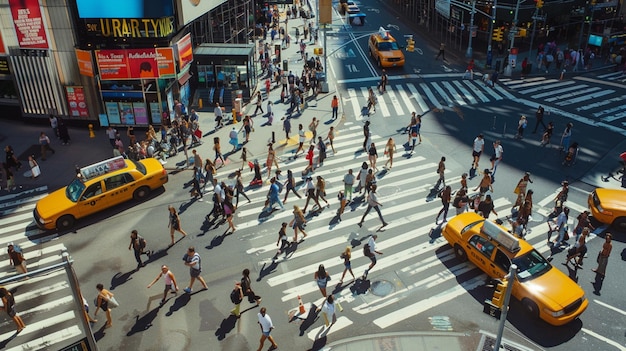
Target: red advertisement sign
[
  {"x": 28, "y": 22},
  {"x": 185, "y": 52},
  {"x": 112, "y": 64},
  {"x": 165, "y": 60},
  {"x": 142, "y": 63},
  {"x": 2, "y": 49},
  {"x": 76, "y": 101}
]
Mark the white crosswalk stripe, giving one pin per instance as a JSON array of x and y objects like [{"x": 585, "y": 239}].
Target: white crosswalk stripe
[
  {"x": 603, "y": 102},
  {"x": 423, "y": 97},
  {"x": 411, "y": 251}
]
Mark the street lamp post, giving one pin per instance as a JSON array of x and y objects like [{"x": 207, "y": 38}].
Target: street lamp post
[
  {"x": 505, "y": 307},
  {"x": 490, "y": 39},
  {"x": 469, "y": 52},
  {"x": 509, "y": 70}
]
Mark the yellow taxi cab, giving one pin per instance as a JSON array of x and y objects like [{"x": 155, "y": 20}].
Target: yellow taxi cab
[
  {"x": 385, "y": 50},
  {"x": 609, "y": 206},
  {"x": 99, "y": 186},
  {"x": 544, "y": 291}
]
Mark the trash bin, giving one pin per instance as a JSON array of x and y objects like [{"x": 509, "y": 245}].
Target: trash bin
[{"x": 285, "y": 68}]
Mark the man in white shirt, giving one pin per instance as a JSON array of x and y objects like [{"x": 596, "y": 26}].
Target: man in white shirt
[
  {"x": 496, "y": 158},
  {"x": 219, "y": 116},
  {"x": 477, "y": 149},
  {"x": 266, "y": 328}
]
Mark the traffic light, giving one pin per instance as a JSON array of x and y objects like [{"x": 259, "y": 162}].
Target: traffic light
[
  {"x": 498, "y": 35},
  {"x": 498, "y": 295},
  {"x": 539, "y": 3}
]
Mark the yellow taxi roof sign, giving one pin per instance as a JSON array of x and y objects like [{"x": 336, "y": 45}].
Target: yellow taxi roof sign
[{"x": 103, "y": 167}]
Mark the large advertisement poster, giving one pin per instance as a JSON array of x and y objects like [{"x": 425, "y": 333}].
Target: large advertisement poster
[
  {"x": 85, "y": 63},
  {"x": 125, "y": 8},
  {"x": 76, "y": 101},
  {"x": 185, "y": 52},
  {"x": 193, "y": 9},
  {"x": 127, "y": 113},
  {"x": 135, "y": 63},
  {"x": 28, "y": 22},
  {"x": 155, "y": 112},
  {"x": 141, "y": 114},
  {"x": 113, "y": 112}
]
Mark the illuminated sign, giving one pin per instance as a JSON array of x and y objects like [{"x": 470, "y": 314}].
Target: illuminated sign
[
  {"x": 135, "y": 63},
  {"x": 104, "y": 167},
  {"x": 76, "y": 101},
  {"x": 4, "y": 66},
  {"x": 192, "y": 9},
  {"x": 130, "y": 27},
  {"x": 125, "y": 8},
  {"x": 85, "y": 64},
  {"x": 28, "y": 23},
  {"x": 185, "y": 52}
]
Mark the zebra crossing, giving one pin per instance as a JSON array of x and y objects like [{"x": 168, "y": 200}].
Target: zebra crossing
[
  {"x": 44, "y": 301},
  {"x": 420, "y": 269},
  {"x": 599, "y": 99},
  {"x": 402, "y": 99}
]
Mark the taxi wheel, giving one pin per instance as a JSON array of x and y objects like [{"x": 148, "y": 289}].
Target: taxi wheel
[
  {"x": 620, "y": 223},
  {"x": 531, "y": 308},
  {"x": 65, "y": 222},
  {"x": 460, "y": 253},
  {"x": 141, "y": 193}
]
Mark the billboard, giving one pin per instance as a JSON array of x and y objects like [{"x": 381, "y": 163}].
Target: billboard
[
  {"x": 85, "y": 63},
  {"x": 125, "y": 8},
  {"x": 76, "y": 101},
  {"x": 185, "y": 52},
  {"x": 162, "y": 27},
  {"x": 192, "y": 9},
  {"x": 28, "y": 22},
  {"x": 2, "y": 49},
  {"x": 135, "y": 63}
]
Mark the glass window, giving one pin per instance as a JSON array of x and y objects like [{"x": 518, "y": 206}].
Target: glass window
[
  {"x": 482, "y": 245},
  {"x": 117, "y": 181},
  {"x": 74, "y": 190},
  {"x": 502, "y": 261},
  {"x": 92, "y": 190}
]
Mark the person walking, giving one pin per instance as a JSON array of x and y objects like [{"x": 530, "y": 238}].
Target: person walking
[
  {"x": 414, "y": 134},
  {"x": 271, "y": 160},
  {"x": 441, "y": 170},
  {"x": 566, "y": 137},
  {"x": 348, "y": 184},
  {"x": 219, "y": 116},
  {"x": 111, "y": 134},
  {"x": 320, "y": 189},
  {"x": 603, "y": 256},
  {"x": 8, "y": 304},
  {"x": 520, "y": 189},
  {"x": 328, "y": 311},
  {"x": 283, "y": 241},
  {"x": 372, "y": 202},
  {"x": 561, "y": 227},
  {"x": 496, "y": 158},
  {"x": 331, "y": 137},
  {"x": 35, "y": 170},
  {"x": 334, "y": 105},
  {"x": 138, "y": 244},
  {"x": 44, "y": 143},
  {"x": 194, "y": 262},
  {"x": 460, "y": 201},
  {"x": 233, "y": 139},
  {"x": 229, "y": 211},
  {"x": 174, "y": 224},
  {"x": 170, "y": 282},
  {"x": 16, "y": 258},
  {"x": 486, "y": 207},
  {"x": 371, "y": 101},
  {"x": 240, "y": 188},
  {"x": 54, "y": 124},
  {"x": 470, "y": 70},
  {"x": 310, "y": 194},
  {"x": 441, "y": 53},
  {"x": 370, "y": 251},
  {"x": 218, "y": 151},
  {"x": 297, "y": 223},
  {"x": 247, "y": 127},
  {"x": 313, "y": 128},
  {"x": 246, "y": 287},
  {"x": 290, "y": 185},
  {"x": 287, "y": 128},
  {"x": 390, "y": 149},
  {"x": 485, "y": 183},
  {"x": 446, "y": 196},
  {"x": 102, "y": 303},
  {"x": 521, "y": 125},
  {"x": 372, "y": 156},
  {"x": 322, "y": 278},
  {"x": 362, "y": 177},
  {"x": 366, "y": 134},
  {"x": 384, "y": 80},
  {"x": 265, "y": 322},
  {"x": 477, "y": 149},
  {"x": 259, "y": 103},
  {"x": 539, "y": 118},
  {"x": 301, "y": 140},
  {"x": 346, "y": 256},
  {"x": 236, "y": 297}
]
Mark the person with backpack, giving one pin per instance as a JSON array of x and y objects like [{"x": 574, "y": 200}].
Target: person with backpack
[
  {"x": 236, "y": 296},
  {"x": 193, "y": 261},
  {"x": 16, "y": 258},
  {"x": 170, "y": 282},
  {"x": 8, "y": 304},
  {"x": 369, "y": 250},
  {"x": 138, "y": 244}
]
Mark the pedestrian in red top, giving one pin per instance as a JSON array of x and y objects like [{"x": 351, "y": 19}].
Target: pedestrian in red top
[
  {"x": 334, "y": 104},
  {"x": 470, "y": 70}
]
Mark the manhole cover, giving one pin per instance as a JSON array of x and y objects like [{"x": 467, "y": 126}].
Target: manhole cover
[{"x": 382, "y": 288}]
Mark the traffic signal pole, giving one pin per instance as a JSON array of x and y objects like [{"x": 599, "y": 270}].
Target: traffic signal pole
[
  {"x": 469, "y": 52},
  {"x": 491, "y": 25},
  {"x": 507, "y": 298},
  {"x": 508, "y": 71}
]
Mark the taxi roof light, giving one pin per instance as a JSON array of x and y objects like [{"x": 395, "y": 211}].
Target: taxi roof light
[
  {"x": 493, "y": 231},
  {"x": 103, "y": 167},
  {"x": 384, "y": 33}
]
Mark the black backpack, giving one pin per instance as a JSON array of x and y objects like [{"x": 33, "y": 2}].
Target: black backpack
[
  {"x": 235, "y": 296},
  {"x": 366, "y": 250}
]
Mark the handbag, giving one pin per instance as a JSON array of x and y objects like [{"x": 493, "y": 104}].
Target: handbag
[
  {"x": 516, "y": 191},
  {"x": 113, "y": 302},
  {"x": 36, "y": 171}
]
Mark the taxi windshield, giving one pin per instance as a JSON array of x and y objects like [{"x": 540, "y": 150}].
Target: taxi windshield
[
  {"x": 388, "y": 46},
  {"x": 74, "y": 190},
  {"x": 531, "y": 265}
]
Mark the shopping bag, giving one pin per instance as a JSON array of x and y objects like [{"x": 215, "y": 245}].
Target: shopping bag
[
  {"x": 113, "y": 302},
  {"x": 36, "y": 171},
  {"x": 198, "y": 133}
]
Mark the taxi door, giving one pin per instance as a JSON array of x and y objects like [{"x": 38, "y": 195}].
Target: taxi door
[
  {"x": 119, "y": 188},
  {"x": 92, "y": 200}
]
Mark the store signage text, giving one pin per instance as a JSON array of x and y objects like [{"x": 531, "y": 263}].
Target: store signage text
[{"x": 131, "y": 27}]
